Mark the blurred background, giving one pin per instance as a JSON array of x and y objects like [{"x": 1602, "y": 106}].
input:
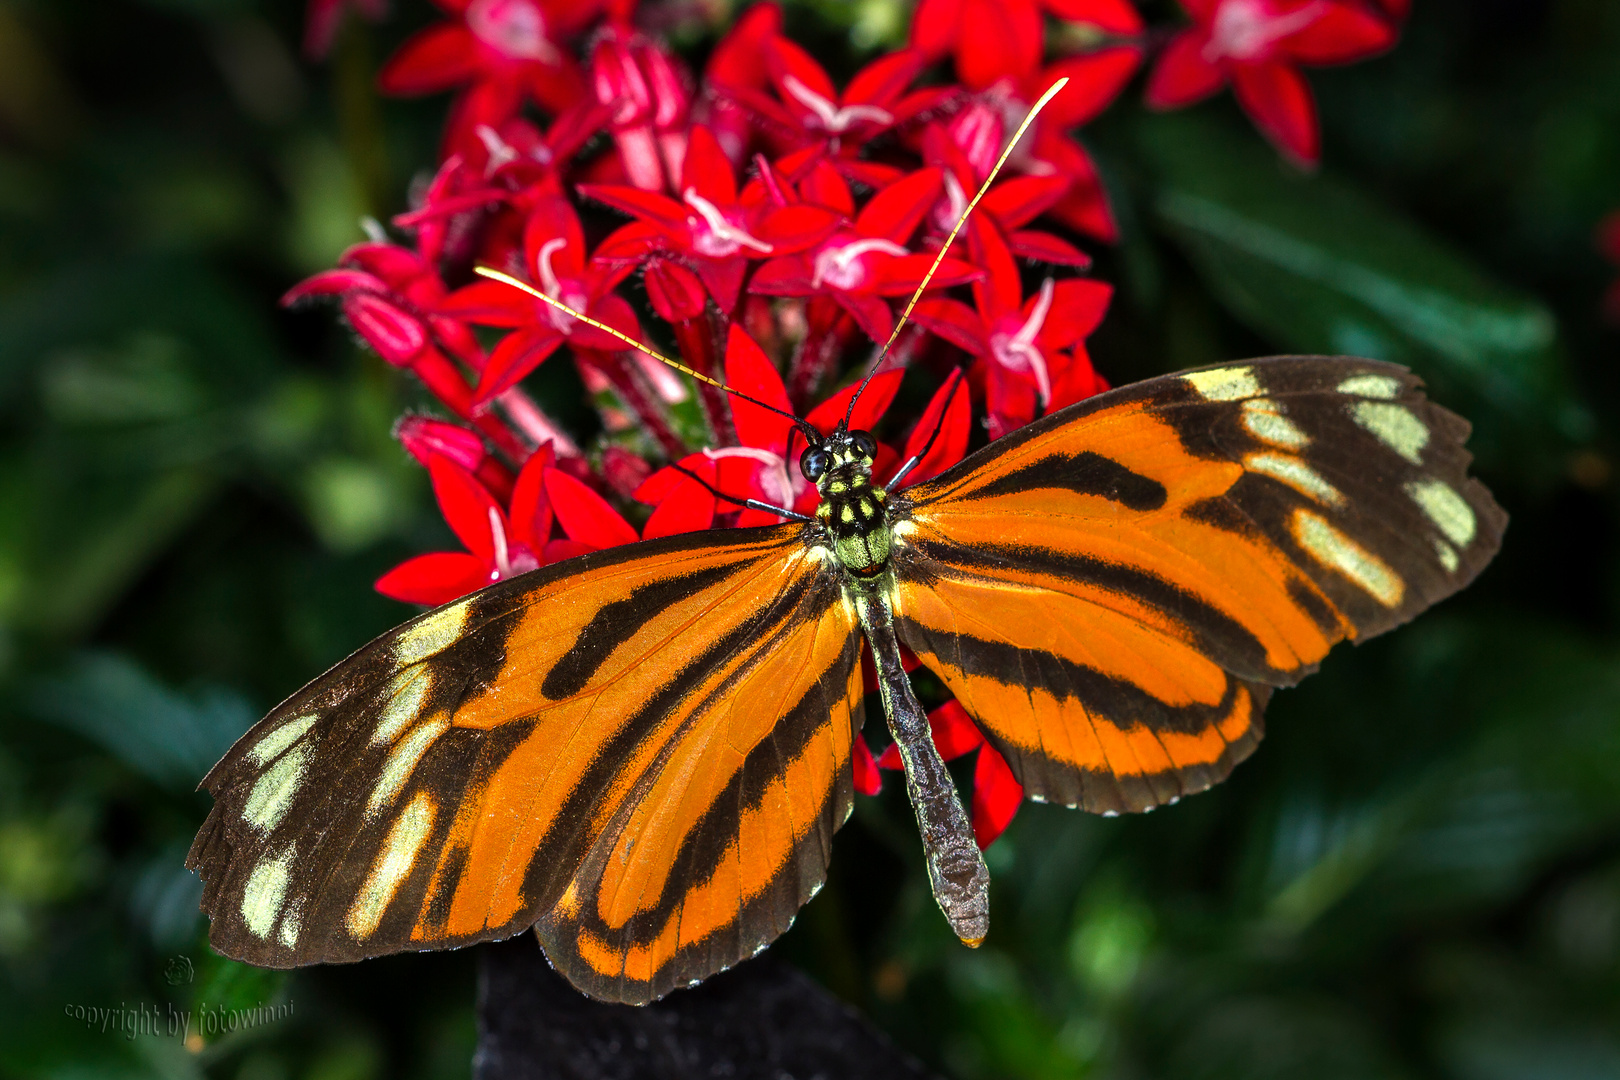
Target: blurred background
[{"x": 1417, "y": 875}]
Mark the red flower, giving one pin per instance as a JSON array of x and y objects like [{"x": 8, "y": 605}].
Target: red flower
[
  {"x": 996, "y": 792},
  {"x": 1013, "y": 202},
  {"x": 1258, "y": 45},
  {"x": 713, "y": 229},
  {"x": 555, "y": 260},
  {"x": 982, "y": 128},
  {"x": 867, "y": 261},
  {"x": 738, "y": 61},
  {"x": 997, "y": 39},
  {"x": 498, "y": 544},
  {"x": 425, "y": 438},
  {"x": 1608, "y": 239},
  {"x": 1030, "y": 354},
  {"x": 504, "y": 540},
  {"x": 323, "y": 18},
  {"x": 647, "y": 90},
  {"x": 503, "y": 52},
  {"x": 809, "y": 111}
]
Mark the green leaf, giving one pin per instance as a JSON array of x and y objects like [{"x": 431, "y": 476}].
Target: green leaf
[
  {"x": 171, "y": 738},
  {"x": 1316, "y": 265}
]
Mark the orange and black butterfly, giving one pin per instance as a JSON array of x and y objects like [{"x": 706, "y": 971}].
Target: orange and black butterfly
[{"x": 644, "y": 752}]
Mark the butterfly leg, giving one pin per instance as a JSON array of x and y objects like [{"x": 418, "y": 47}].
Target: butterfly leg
[{"x": 956, "y": 868}]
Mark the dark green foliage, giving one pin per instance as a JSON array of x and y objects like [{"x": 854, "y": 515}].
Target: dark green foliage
[{"x": 1417, "y": 875}]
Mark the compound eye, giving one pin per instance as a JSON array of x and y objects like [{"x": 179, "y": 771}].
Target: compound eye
[
  {"x": 864, "y": 444},
  {"x": 813, "y": 462}
]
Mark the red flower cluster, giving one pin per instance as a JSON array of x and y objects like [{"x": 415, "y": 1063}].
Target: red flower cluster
[{"x": 773, "y": 222}]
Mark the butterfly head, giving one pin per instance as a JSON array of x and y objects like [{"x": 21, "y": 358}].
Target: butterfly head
[{"x": 844, "y": 457}]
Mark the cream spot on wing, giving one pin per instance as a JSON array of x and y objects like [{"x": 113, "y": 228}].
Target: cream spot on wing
[
  {"x": 266, "y": 891},
  {"x": 1337, "y": 551},
  {"x": 405, "y": 695},
  {"x": 1266, "y": 422},
  {"x": 1225, "y": 384},
  {"x": 1374, "y": 386},
  {"x": 435, "y": 632},
  {"x": 273, "y": 792},
  {"x": 1296, "y": 474},
  {"x": 401, "y": 761},
  {"x": 394, "y": 862},
  {"x": 281, "y": 738},
  {"x": 291, "y": 923},
  {"x": 1447, "y": 555},
  {"x": 1448, "y": 510},
  {"x": 1395, "y": 426}
]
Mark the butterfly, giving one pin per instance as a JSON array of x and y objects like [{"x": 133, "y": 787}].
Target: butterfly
[{"x": 643, "y": 753}]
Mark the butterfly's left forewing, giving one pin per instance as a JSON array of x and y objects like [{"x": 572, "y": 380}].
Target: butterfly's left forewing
[
  {"x": 642, "y": 752},
  {"x": 1113, "y": 590}
]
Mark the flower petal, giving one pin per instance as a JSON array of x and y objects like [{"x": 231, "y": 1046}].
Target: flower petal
[
  {"x": 531, "y": 515},
  {"x": 433, "y": 579},
  {"x": 1182, "y": 75},
  {"x": 1095, "y": 80},
  {"x": 954, "y": 732},
  {"x": 997, "y": 795},
  {"x": 950, "y": 412},
  {"x": 442, "y": 56},
  {"x": 873, "y": 402},
  {"x": 584, "y": 515},
  {"x": 1279, "y": 101},
  {"x": 895, "y": 212},
  {"x": 467, "y": 506},
  {"x": 751, "y": 372},
  {"x": 1344, "y": 33},
  {"x": 1078, "y": 307},
  {"x": 868, "y": 781}
]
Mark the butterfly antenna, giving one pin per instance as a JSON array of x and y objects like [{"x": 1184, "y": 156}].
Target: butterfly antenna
[
  {"x": 883, "y": 354},
  {"x": 507, "y": 279}
]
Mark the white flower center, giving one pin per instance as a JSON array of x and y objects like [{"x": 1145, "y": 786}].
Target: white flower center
[
  {"x": 1018, "y": 352},
  {"x": 840, "y": 265},
  {"x": 507, "y": 560},
  {"x": 715, "y": 236},
  {"x": 832, "y": 118},
  {"x": 1247, "y": 29},
  {"x": 513, "y": 27},
  {"x": 552, "y": 286}
]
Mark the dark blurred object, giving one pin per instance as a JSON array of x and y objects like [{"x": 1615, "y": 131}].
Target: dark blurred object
[{"x": 760, "y": 1019}]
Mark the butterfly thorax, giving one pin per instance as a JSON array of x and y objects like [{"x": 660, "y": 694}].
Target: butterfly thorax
[{"x": 853, "y": 510}]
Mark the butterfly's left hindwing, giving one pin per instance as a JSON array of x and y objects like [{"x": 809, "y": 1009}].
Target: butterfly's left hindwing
[
  {"x": 643, "y": 752},
  {"x": 1113, "y": 590}
]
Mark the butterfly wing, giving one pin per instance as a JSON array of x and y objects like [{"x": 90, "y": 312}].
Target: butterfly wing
[
  {"x": 643, "y": 752},
  {"x": 1113, "y": 590}
]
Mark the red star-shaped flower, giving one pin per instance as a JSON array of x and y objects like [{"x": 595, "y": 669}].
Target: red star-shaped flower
[
  {"x": 1258, "y": 46},
  {"x": 1030, "y": 354},
  {"x": 712, "y": 228},
  {"x": 504, "y": 537},
  {"x": 502, "y": 53},
  {"x": 556, "y": 262},
  {"x": 866, "y": 262}
]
